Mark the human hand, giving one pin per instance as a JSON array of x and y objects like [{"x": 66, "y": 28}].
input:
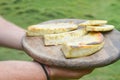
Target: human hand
[{"x": 56, "y": 73}]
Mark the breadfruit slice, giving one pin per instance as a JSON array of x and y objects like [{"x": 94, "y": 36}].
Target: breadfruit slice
[
  {"x": 75, "y": 51},
  {"x": 100, "y": 28},
  {"x": 83, "y": 46},
  {"x": 93, "y": 23},
  {"x": 51, "y": 28},
  {"x": 55, "y": 39}
]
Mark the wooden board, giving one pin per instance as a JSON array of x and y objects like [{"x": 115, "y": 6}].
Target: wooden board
[{"x": 53, "y": 55}]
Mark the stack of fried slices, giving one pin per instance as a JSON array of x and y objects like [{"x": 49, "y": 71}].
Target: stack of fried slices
[{"x": 77, "y": 40}]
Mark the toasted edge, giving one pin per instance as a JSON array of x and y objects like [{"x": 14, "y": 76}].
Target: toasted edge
[{"x": 71, "y": 51}]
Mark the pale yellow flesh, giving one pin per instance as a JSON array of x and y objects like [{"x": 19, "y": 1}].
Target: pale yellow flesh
[
  {"x": 71, "y": 51},
  {"x": 90, "y": 38},
  {"x": 100, "y": 28},
  {"x": 77, "y": 36},
  {"x": 51, "y": 28},
  {"x": 55, "y": 39},
  {"x": 93, "y": 22}
]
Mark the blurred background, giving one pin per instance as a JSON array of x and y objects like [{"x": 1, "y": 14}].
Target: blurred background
[{"x": 27, "y": 12}]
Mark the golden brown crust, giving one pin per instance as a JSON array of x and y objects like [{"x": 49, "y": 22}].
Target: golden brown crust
[{"x": 81, "y": 51}]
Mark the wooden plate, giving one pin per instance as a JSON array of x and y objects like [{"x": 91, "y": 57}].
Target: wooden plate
[{"x": 53, "y": 56}]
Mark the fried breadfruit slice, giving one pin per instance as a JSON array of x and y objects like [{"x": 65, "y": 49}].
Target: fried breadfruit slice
[
  {"x": 90, "y": 38},
  {"x": 50, "y": 28},
  {"x": 100, "y": 28},
  {"x": 56, "y": 39},
  {"x": 93, "y": 23},
  {"x": 75, "y": 51},
  {"x": 83, "y": 46}
]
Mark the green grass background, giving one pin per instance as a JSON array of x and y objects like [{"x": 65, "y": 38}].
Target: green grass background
[{"x": 27, "y": 12}]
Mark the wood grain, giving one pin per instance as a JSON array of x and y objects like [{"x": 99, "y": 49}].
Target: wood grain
[{"x": 53, "y": 56}]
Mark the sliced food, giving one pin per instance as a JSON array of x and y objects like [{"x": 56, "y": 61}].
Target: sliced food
[
  {"x": 93, "y": 23},
  {"x": 75, "y": 51},
  {"x": 100, "y": 28},
  {"x": 90, "y": 38},
  {"x": 51, "y": 28},
  {"x": 55, "y": 39},
  {"x": 83, "y": 46}
]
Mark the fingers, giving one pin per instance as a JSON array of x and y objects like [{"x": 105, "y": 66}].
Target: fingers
[{"x": 55, "y": 72}]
